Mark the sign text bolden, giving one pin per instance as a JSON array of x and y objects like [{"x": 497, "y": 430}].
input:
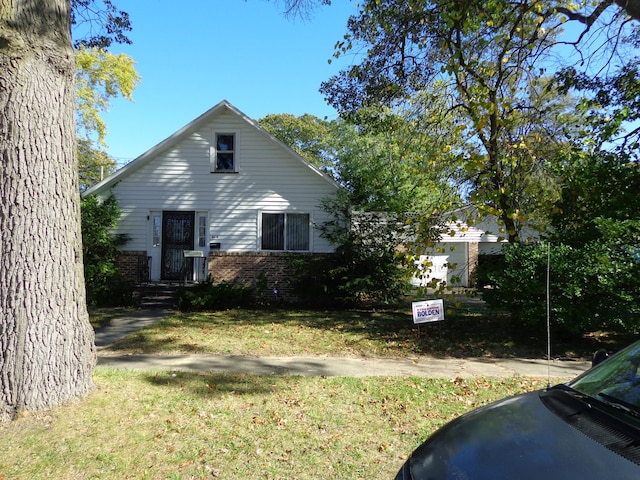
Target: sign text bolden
[{"x": 428, "y": 311}]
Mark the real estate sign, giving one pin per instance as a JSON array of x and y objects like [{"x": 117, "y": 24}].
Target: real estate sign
[{"x": 428, "y": 311}]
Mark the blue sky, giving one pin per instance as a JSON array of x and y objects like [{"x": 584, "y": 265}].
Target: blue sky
[{"x": 193, "y": 56}]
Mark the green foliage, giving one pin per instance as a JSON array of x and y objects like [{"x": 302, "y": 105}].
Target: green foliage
[
  {"x": 592, "y": 288},
  {"x": 308, "y": 135},
  {"x": 100, "y": 76},
  {"x": 485, "y": 54},
  {"x": 366, "y": 267},
  {"x": 211, "y": 297},
  {"x": 386, "y": 164},
  {"x": 399, "y": 160},
  {"x": 596, "y": 187},
  {"x": 93, "y": 164},
  {"x": 492, "y": 57},
  {"x": 392, "y": 161},
  {"x": 595, "y": 255},
  {"x": 612, "y": 105},
  {"x": 104, "y": 283}
]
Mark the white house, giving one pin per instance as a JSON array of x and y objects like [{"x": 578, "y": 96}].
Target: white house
[
  {"x": 221, "y": 189},
  {"x": 455, "y": 257}
]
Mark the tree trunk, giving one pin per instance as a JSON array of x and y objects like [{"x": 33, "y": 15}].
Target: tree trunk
[{"x": 47, "y": 350}]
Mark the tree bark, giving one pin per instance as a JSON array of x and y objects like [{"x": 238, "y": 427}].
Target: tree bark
[{"x": 47, "y": 351}]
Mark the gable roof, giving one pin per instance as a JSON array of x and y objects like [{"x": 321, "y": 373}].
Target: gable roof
[{"x": 187, "y": 130}]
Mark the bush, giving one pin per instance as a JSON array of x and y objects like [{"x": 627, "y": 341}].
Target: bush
[
  {"x": 365, "y": 268},
  {"x": 591, "y": 288},
  {"x": 352, "y": 276},
  {"x": 487, "y": 266},
  {"x": 595, "y": 253},
  {"x": 210, "y": 297},
  {"x": 104, "y": 283}
]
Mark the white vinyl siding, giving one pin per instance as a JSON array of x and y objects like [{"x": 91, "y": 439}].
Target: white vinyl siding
[{"x": 269, "y": 178}]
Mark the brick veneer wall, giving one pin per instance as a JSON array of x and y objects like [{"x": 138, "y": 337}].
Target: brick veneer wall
[
  {"x": 474, "y": 249},
  {"x": 238, "y": 268},
  {"x": 132, "y": 265},
  {"x": 246, "y": 268}
]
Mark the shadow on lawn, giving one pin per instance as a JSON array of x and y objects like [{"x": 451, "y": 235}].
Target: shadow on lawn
[
  {"x": 217, "y": 384},
  {"x": 469, "y": 330}
]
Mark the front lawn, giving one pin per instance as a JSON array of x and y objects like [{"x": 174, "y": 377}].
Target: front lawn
[
  {"x": 468, "y": 330},
  {"x": 164, "y": 425},
  {"x": 178, "y": 425}
]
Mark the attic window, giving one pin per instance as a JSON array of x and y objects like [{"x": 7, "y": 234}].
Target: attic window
[{"x": 225, "y": 153}]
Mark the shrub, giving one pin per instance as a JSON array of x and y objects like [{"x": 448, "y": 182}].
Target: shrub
[
  {"x": 591, "y": 288},
  {"x": 595, "y": 253},
  {"x": 365, "y": 268},
  {"x": 352, "y": 276},
  {"x": 209, "y": 296},
  {"x": 104, "y": 283}
]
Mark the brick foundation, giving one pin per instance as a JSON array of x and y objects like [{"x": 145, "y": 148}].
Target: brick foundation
[
  {"x": 133, "y": 265},
  {"x": 247, "y": 268}
]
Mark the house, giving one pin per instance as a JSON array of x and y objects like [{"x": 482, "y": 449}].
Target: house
[
  {"x": 465, "y": 239},
  {"x": 219, "y": 197}
]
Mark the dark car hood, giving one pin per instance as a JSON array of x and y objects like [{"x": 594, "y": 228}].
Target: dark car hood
[{"x": 517, "y": 438}]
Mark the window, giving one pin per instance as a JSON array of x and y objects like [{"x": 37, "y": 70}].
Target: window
[
  {"x": 224, "y": 160},
  {"x": 285, "y": 231},
  {"x": 157, "y": 230},
  {"x": 202, "y": 231}
]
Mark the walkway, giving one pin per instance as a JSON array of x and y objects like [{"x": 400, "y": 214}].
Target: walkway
[{"x": 321, "y": 366}]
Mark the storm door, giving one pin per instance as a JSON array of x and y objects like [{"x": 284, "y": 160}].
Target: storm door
[{"x": 177, "y": 236}]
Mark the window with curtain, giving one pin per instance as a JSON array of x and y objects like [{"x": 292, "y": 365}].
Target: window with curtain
[{"x": 285, "y": 231}]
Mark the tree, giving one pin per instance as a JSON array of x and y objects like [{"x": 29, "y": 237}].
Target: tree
[
  {"x": 596, "y": 284},
  {"x": 586, "y": 13},
  {"x": 99, "y": 23},
  {"x": 46, "y": 340},
  {"x": 300, "y": 8},
  {"x": 93, "y": 164},
  {"x": 490, "y": 52},
  {"x": 611, "y": 106},
  {"x": 47, "y": 350},
  {"x": 389, "y": 180},
  {"x": 384, "y": 162},
  {"x": 487, "y": 52},
  {"x": 594, "y": 252},
  {"x": 100, "y": 77},
  {"x": 308, "y": 135}
]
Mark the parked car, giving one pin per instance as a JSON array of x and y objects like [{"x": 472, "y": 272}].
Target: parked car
[{"x": 588, "y": 428}]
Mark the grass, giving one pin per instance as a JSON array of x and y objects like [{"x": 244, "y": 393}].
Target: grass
[
  {"x": 163, "y": 425},
  {"x": 468, "y": 331},
  {"x": 178, "y": 425}
]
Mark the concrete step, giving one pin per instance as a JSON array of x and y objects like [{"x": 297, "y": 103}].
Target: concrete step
[{"x": 157, "y": 296}]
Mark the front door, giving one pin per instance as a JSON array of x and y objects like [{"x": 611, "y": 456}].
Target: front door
[{"x": 177, "y": 236}]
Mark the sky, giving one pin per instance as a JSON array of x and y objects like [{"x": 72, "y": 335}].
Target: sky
[{"x": 244, "y": 51}]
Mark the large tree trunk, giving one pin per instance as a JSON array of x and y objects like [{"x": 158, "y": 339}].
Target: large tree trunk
[{"x": 47, "y": 350}]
